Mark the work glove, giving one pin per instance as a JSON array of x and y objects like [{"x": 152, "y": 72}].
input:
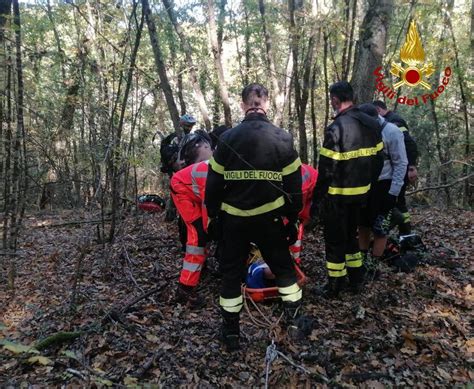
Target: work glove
[
  {"x": 291, "y": 231},
  {"x": 214, "y": 228}
]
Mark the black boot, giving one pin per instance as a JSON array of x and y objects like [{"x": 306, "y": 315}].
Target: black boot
[
  {"x": 356, "y": 279},
  {"x": 187, "y": 295},
  {"x": 299, "y": 325},
  {"x": 230, "y": 330},
  {"x": 334, "y": 286}
]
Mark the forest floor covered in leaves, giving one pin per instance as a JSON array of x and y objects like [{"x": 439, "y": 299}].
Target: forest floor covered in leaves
[{"x": 404, "y": 330}]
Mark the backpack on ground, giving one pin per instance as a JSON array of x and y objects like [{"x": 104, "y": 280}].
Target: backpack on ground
[{"x": 406, "y": 253}]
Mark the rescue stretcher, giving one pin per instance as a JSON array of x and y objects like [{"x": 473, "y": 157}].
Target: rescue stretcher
[
  {"x": 151, "y": 203},
  {"x": 271, "y": 292}
]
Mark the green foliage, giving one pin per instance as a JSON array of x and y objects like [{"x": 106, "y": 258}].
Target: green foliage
[{"x": 89, "y": 44}]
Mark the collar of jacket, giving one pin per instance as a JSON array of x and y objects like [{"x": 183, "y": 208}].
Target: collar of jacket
[
  {"x": 344, "y": 111},
  {"x": 256, "y": 116}
]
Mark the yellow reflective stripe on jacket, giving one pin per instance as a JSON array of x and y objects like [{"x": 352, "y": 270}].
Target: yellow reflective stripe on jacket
[
  {"x": 291, "y": 293},
  {"x": 349, "y": 191},
  {"x": 280, "y": 201},
  {"x": 292, "y": 167},
  {"x": 346, "y": 155},
  {"x": 231, "y": 305},
  {"x": 354, "y": 260},
  {"x": 217, "y": 167},
  {"x": 252, "y": 175}
]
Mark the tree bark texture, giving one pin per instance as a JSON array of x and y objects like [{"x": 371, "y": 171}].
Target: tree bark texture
[
  {"x": 278, "y": 96},
  {"x": 118, "y": 136},
  {"x": 216, "y": 52},
  {"x": 370, "y": 48},
  {"x": 160, "y": 67}
]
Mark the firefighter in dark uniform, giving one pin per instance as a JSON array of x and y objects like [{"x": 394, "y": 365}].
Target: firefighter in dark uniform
[
  {"x": 254, "y": 180},
  {"x": 350, "y": 161},
  {"x": 404, "y": 226}
]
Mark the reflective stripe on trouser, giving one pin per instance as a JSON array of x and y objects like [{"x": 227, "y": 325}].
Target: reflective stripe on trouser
[
  {"x": 295, "y": 249},
  {"x": 290, "y": 293},
  {"x": 192, "y": 264},
  {"x": 340, "y": 235},
  {"x": 232, "y": 305},
  {"x": 195, "y": 255},
  {"x": 336, "y": 269},
  {"x": 354, "y": 260}
]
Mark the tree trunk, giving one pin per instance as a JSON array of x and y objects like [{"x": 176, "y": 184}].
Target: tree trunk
[
  {"x": 216, "y": 52},
  {"x": 5, "y": 104},
  {"x": 189, "y": 59},
  {"x": 326, "y": 81},
  {"x": 278, "y": 97},
  {"x": 220, "y": 23},
  {"x": 161, "y": 68},
  {"x": 464, "y": 105},
  {"x": 239, "y": 53},
  {"x": 349, "y": 40},
  {"x": 118, "y": 137},
  {"x": 313, "y": 118},
  {"x": 247, "y": 43},
  {"x": 371, "y": 48},
  {"x": 182, "y": 103},
  {"x": 287, "y": 84},
  {"x": 57, "y": 39},
  {"x": 345, "y": 49},
  {"x": 441, "y": 157},
  {"x": 20, "y": 168},
  {"x": 295, "y": 6}
]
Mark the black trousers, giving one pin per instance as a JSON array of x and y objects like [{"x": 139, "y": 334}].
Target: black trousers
[
  {"x": 267, "y": 232},
  {"x": 404, "y": 227},
  {"x": 377, "y": 214},
  {"x": 340, "y": 236}
]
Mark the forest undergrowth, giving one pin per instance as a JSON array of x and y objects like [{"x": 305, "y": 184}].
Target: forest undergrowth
[{"x": 79, "y": 295}]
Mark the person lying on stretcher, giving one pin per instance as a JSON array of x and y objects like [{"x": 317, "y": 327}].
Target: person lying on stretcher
[{"x": 259, "y": 275}]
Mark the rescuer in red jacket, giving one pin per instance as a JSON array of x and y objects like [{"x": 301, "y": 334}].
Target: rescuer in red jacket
[{"x": 187, "y": 190}]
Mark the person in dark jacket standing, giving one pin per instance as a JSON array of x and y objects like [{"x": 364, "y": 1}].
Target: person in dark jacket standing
[
  {"x": 254, "y": 180},
  {"x": 404, "y": 226},
  {"x": 350, "y": 161}
]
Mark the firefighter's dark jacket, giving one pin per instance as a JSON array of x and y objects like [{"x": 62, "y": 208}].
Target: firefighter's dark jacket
[
  {"x": 351, "y": 158},
  {"x": 255, "y": 170},
  {"x": 410, "y": 144}
]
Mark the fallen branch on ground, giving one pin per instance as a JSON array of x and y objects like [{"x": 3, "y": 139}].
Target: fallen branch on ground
[
  {"x": 77, "y": 222},
  {"x": 115, "y": 313},
  {"x": 442, "y": 186},
  {"x": 57, "y": 338}
]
